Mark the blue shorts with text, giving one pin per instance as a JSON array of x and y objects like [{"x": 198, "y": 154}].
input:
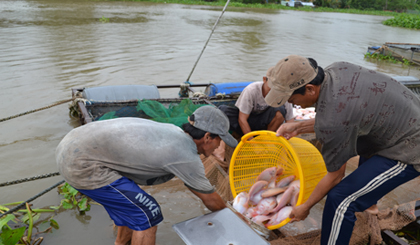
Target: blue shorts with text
[{"x": 127, "y": 204}]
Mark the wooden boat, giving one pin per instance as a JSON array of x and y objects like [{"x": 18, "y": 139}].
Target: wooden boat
[
  {"x": 98, "y": 103},
  {"x": 400, "y": 51},
  {"x": 92, "y": 104}
]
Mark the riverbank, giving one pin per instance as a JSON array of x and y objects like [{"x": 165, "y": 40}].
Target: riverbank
[{"x": 410, "y": 21}]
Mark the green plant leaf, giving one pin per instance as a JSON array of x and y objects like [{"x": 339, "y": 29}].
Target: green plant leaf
[
  {"x": 11, "y": 237},
  {"x": 36, "y": 217},
  {"x": 54, "y": 224},
  {"x": 72, "y": 191},
  {"x": 25, "y": 218},
  {"x": 5, "y": 220},
  {"x": 66, "y": 204},
  {"x": 84, "y": 205}
]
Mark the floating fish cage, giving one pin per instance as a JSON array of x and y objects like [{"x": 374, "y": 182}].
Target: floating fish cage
[{"x": 260, "y": 150}]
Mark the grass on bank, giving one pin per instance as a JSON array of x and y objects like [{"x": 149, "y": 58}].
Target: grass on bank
[{"x": 411, "y": 21}]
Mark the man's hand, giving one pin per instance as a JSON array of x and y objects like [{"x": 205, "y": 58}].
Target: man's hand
[
  {"x": 288, "y": 130},
  {"x": 299, "y": 213}
]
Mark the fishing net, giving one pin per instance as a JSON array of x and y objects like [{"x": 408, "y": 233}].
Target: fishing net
[
  {"x": 367, "y": 229},
  {"x": 176, "y": 112}
]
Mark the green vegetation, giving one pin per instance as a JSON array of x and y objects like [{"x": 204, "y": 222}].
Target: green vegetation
[
  {"x": 388, "y": 58},
  {"x": 27, "y": 220},
  {"x": 388, "y": 5},
  {"x": 404, "y": 20},
  {"x": 396, "y": 8},
  {"x": 104, "y": 20},
  {"x": 72, "y": 199}
]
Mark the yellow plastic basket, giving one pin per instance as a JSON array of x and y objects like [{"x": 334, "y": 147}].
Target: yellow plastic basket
[{"x": 259, "y": 150}]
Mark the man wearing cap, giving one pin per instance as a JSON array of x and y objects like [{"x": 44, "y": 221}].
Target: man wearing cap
[
  {"x": 251, "y": 112},
  {"x": 358, "y": 112},
  {"x": 107, "y": 160}
]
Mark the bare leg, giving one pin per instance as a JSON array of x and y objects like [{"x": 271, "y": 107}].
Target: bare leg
[
  {"x": 146, "y": 237},
  {"x": 276, "y": 122},
  {"x": 124, "y": 235}
]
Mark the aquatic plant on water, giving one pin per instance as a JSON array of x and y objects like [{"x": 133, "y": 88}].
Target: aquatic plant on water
[
  {"x": 18, "y": 227},
  {"x": 388, "y": 58},
  {"x": 104, "y": 20},
  {"x": 411, "y": 21},
  {"x": 25, "y": 221},
  {"x": 72, "y": 199}
]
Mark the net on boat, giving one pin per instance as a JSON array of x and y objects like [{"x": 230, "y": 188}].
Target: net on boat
[{"x": 175, "y": 112}]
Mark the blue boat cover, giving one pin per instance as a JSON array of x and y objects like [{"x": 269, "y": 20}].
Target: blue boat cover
[{"x": 226, "y": 88}]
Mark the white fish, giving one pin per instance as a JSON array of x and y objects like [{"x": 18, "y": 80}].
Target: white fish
[
  {"x": 285, "y": 181},
  {"x": 266, "y": 205},
  {"x": 256, "y": 190},
  {"x": 295, "y": 197},
  {"x": 279, "y": 216},
  {"x": 295, "y": 183},
  {"x": 273, "y": 191},
  {"x": 268, "y": 174},
  {"x": 259, "y": 219},
  {"x": 240, "y": 203},
  {"x": 256, "y": 198},
  {"x": 251, "y": 212},
  {"x": 284, "y": 198}
]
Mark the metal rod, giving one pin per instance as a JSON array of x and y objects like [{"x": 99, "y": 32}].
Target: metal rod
[
  {"x": 214, "y": 27},
  {"x": 177, "y": 86}
]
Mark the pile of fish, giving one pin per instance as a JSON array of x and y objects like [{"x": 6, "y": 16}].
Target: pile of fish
[
  {"x": 304, "y": 113},
  {"x": 269, "y": 201}
]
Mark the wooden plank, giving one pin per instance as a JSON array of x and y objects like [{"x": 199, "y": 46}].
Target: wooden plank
[
  {"x": 413, "y": 44},
  {"x": 85, "y": 115}
]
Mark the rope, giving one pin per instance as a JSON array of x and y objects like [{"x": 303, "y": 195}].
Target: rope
[
  {"x": 199, "y": 95},
  {"x": 29, "y": 179},
  {"x": 214, "y": 27},
  {"x": 31, "y": 199},
  {"x": 32, "y": 111}
]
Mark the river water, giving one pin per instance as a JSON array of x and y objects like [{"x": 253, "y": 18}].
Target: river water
[{"x": 48, "y": 47}]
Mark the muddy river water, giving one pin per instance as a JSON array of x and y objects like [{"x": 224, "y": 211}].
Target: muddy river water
[{"x": 48, "y": 47}]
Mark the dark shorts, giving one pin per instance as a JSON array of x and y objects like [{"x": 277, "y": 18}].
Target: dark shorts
[
  {"x": 374, "y": 178},
  {"x": 256, "y": 121},
  {"x": 127, "y": 204}
]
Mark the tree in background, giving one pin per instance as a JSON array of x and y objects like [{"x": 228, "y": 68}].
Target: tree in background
[{"x": 393, "y": 5}]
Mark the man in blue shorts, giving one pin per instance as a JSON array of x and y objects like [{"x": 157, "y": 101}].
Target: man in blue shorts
[
  {"x": 358, "y": 112},
  {"x": 108, "y": 160}
]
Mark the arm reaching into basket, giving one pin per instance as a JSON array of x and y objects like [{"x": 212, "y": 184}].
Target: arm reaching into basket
[{"x": 292, "y": 129}]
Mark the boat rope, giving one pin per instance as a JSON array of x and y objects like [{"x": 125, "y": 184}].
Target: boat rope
[
  {"x": 29, "y": 179},
  {"x": 199, "y": 95},
  {"x": 214, "y": 27},
  {"x": 32, "y": 111},
  {"x": 31, "y": 199}
]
